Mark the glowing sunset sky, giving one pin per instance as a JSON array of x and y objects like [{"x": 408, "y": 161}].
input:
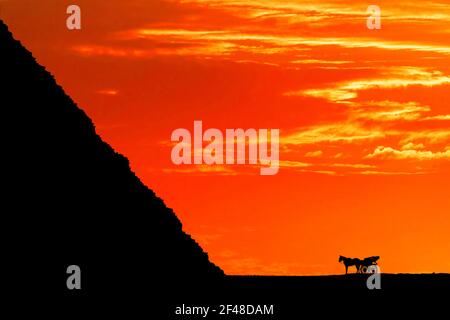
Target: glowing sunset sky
[{"x": 364, "y": 119}]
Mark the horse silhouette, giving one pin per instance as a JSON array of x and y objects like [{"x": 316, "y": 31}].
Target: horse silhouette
[
  {"x": 360, "y": 265},
  {"x": 348, "y": 262}
]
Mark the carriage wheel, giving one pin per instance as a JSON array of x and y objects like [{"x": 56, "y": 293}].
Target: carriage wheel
[{"x": 364, "y": 269}]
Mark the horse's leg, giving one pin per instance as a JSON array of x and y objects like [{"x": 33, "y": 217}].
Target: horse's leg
[{"x": 346, "y": 269}]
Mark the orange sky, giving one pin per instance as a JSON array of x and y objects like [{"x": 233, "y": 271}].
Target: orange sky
[{"x": 363, "y": 116}]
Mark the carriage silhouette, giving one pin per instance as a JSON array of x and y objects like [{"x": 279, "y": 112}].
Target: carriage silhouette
[{"x": 361, "y": 265}]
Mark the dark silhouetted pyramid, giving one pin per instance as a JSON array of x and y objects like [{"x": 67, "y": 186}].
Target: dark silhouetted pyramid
[{"x": 69, "y": 198}]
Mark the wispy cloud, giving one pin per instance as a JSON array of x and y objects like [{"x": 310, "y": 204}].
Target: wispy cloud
[
  {"x": 392, "y": 77},
  {"x": 340, "y": 133},
  {"x": 389, "y": 153},
  {"x": 203, "y": 169}
]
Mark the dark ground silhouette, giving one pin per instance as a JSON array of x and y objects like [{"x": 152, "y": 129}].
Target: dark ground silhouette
[{"x": 69, "y": 198}]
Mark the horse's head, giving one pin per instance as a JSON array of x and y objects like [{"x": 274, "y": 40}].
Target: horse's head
[{"x": 341, "y": 258}]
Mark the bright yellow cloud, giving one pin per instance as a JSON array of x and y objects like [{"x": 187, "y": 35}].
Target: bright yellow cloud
[
  {"x": 393, "y": 77},
  {"x": 390, "y": 153},
  {"x": 345, "y": 132}
]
